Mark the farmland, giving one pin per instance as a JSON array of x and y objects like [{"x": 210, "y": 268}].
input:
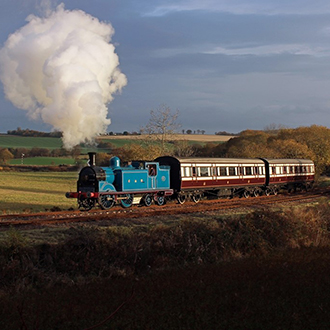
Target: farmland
[
  {"x": 43, "y": 161},
  {"x": 35, "y": 191},
  {"x": 53, "y": 144},
  {"x": 12, "y": 141}
]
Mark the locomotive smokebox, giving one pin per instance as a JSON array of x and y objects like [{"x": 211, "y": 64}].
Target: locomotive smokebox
[{"x": 92, "y": 157}]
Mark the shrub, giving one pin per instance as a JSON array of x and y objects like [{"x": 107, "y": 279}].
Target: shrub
[{"x": 90, "y": 252}]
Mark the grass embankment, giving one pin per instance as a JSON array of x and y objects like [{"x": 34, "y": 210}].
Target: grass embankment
[
  {"x": 35, "y": 191},
  {"x": 266, "y": 270}
]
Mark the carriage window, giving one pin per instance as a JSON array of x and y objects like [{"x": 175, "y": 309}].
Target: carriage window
[
  {"x": 214, "y": 171},
  {"x": 204, "y": 171},
  {"x": 232, "y": 171},
  {"x": 240, "y": 171},
  {"x": 296, "y": 169},
  {"x": 223, "y": 171},
  {"x": 261, "y": 170},
  {"x": 256, "y": 170},
  {"x": 284, "y": 169},
  {"x": 273, "y": 170},
  {"x": 291, "y": 169},
  {"x": 194, "y": 172},
  {"x": 248, "y": 171},
  {"x": 187, "y": 171}
]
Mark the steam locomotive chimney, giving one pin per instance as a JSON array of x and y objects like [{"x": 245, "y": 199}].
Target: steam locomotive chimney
[{"x": 92, "y": 158}]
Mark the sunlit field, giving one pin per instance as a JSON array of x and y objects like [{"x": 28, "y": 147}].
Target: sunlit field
[
  {"x": 35, "y": 191},
  {"x": 42, "y": 161},
  {"x": 11, "y": 141}
]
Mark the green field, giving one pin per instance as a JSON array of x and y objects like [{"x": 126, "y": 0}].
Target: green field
[
  {"x": 12, "y": 141},
  {"x": 43, "y": 161},
  {"x": 36, "y": 191}
]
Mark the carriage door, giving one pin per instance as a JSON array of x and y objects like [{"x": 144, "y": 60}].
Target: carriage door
[{"x": 152, "y": 174}]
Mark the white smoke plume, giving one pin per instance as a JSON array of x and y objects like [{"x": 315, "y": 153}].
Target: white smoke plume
[{"x": 63, "y": 69}]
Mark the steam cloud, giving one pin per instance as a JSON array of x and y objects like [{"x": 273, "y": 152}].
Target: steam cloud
[{"x": 63, "y": 69}]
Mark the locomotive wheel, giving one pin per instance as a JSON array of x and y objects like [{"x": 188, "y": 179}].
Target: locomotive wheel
[
  {"x": 86, "y": 204},
  {"x": 147, "y": 200},
  {"x": 128, "y": 201},
  {"x": 181, "y": 198},
  {"x": 196, "y": 197},
  {"x": 160, "y": 200},
  {"x": 106, "y": 201}
]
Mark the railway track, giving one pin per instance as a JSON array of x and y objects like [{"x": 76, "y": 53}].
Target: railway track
[{"x": 221, "y": 205}]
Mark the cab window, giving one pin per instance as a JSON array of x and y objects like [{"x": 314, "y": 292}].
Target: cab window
[{"x": 152, "y": 171}]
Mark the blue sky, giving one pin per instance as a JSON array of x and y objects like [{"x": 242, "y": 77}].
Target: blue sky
[{"x": 225, "y": 65}]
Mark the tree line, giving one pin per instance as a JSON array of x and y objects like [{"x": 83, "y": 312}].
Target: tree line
[
  {"x": 33, "y": 133},
  {"x": 161, "y": 138},
  {"x": 303, "y": 142}
]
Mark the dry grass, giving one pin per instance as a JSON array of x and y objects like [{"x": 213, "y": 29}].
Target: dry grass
[
  {"x": 265, "y": 270},
  {"x": 286, "y": 291},
  {"x": 35, "y": 191}
]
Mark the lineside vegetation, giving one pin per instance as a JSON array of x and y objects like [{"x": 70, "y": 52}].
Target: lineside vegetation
[{"x": 211, "y": 270}]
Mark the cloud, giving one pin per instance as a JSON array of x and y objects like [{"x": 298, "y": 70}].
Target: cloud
[
  {"x": 243, "y": 7},
  {"x": 275, "y": 49}
]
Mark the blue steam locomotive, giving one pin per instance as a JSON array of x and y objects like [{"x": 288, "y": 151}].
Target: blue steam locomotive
[{"x": 139, "y": 182}]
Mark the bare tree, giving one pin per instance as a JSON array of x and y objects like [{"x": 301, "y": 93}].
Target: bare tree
[
  {"x": 183, "y": 148},
  {"x": 162, "y": 126}
]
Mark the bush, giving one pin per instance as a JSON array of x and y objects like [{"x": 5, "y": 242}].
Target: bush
[{"x": 124, "y": 251}]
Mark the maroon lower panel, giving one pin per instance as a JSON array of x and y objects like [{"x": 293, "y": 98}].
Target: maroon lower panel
[{"x": 204, "y": 184}]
